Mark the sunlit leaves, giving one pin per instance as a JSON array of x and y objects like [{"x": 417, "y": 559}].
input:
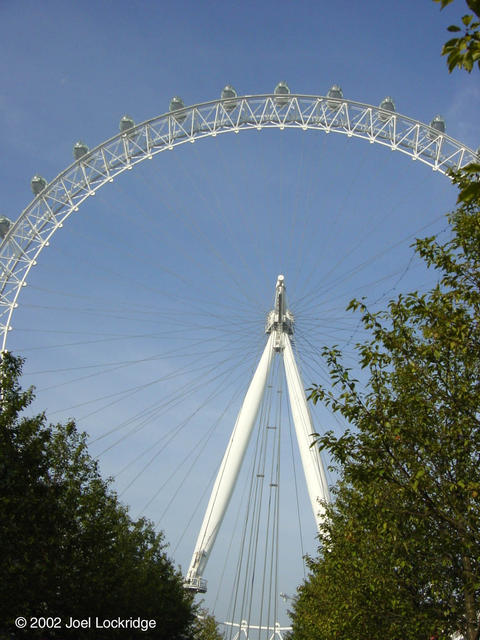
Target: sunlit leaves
[{"x": 464, "y": 51}]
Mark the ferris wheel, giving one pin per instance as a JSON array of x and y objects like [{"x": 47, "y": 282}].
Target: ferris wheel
[{"x": 206, "y": 319}]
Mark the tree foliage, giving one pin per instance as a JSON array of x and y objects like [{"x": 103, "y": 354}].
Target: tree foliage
[
  {"x": 206, "y": 626},
  {"x": 69, "y": 548},
  {"x": 367, "y": 583},
  {"x": 463, "y": 51}
]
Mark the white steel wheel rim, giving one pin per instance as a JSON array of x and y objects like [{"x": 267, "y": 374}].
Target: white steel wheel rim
[{"x": 37, "y": 224}]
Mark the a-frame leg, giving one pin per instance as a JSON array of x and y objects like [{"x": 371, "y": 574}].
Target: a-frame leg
[
  {"x": 312, "y": 463},
  {"x": 228, "y": 472}
]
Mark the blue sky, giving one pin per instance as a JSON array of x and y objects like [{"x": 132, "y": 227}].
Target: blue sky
[{"x": 174, "y": 265}]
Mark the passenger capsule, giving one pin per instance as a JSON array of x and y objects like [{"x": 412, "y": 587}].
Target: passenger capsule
[
  {"x": 229, "y": 92},
  {"x": 38, "y": 184},
  {"x": 387, "y": 104},
  {"x": 281, "y": 90},
  {"x": 438, "y": 123},
  {"x": 79, "y": 150},
  {"x": 334, "y": 92},
  {"x": 126, "y": 123},
  {"x": 5, "y": 225},
  {"x": 176, "y": 104}
]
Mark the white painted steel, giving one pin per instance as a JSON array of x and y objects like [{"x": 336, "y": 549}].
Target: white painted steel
[
  {"x": 244, "y": 627},
  {"x": 33, "y": 229},
  {"x": 279, "y": 326},
  {"x": 228, "y": 472},
  {"x": 311, "y": 461}
]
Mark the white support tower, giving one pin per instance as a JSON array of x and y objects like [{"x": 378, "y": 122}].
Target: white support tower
[{"x": 279, "y": 328}]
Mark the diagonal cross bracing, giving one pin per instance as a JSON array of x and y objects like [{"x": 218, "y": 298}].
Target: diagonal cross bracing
[{"x": 32, "y": 230}]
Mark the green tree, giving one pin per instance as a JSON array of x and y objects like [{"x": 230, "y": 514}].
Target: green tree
[
  {"x": 206, "y": 626},
  {"x": 412, "y": 462},
  {"x": 365, "y": 584},
  {"x": 69, "y": 548}
]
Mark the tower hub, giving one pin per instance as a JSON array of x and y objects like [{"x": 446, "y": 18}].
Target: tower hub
[{"x": 280, "y": 319}]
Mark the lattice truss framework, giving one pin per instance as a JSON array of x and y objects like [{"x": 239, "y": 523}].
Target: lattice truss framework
[{"x": 47, "y": 212}]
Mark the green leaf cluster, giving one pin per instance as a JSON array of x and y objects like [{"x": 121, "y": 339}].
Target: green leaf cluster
[
  {"x": 369, "y": 582},
  {"x": 463, "y": 51},
  {"x": 69, "y": 548},
  {"x": 400, "y": 549}
]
